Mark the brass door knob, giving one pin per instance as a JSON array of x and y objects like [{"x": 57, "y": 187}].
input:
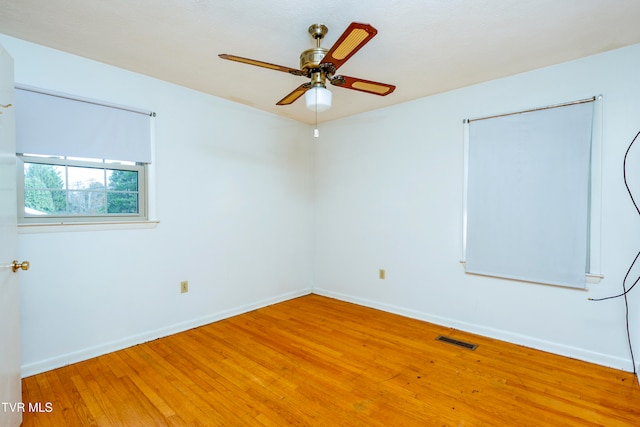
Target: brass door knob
[{"x": 15, "y": 266}]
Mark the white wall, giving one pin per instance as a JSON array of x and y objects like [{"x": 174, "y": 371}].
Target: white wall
[
  {"x": 241, "y": 220},
  {"x": 389, "y": 194},
  {"x": 234, "y": 200}
]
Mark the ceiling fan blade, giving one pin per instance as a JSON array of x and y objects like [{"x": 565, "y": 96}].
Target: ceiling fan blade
[
  {"x": 354, "y": 37},
  {"x": 262, "y": 64},
  {"x": 295, "y": 94},
  {"x": 362, "y": 85}
]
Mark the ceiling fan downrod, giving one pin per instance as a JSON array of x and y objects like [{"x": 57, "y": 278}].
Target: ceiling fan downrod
[
  {"x": 310, "y": 59},
  {"x": 318, "y": 31}
]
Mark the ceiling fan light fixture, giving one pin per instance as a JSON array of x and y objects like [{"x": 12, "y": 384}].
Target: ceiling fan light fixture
[{"x": 318, "y": 99}]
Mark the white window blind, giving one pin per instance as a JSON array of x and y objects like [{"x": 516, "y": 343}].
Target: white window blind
[
  {"x": 528, "y": 195},
  {"x": 56, "y": 124}
]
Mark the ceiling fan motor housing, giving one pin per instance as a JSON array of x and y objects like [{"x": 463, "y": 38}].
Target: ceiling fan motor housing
[
  {"x": 310, "y": 58},
  {"x": 310, "y": 65}
]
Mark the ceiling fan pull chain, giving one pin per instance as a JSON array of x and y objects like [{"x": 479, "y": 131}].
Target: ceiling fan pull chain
[{"x": 316, "y": 132}]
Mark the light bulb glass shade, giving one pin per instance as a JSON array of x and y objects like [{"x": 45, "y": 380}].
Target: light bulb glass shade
[{"x": 318, "y": 99}]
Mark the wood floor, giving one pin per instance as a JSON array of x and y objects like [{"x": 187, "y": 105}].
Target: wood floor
[{"x": 315, "y": 361}]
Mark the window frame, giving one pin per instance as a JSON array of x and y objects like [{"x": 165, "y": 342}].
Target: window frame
[{"x": 143, "y": 195}]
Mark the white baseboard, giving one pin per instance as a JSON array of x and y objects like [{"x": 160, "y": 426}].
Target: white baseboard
[
  {"x": 95, "y": 351},
  {"x": 523, "y": 340}
]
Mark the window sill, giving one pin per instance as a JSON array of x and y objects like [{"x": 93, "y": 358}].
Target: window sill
[
  {"x": 590, "y": 278},
  {"x": 85, "y": 226}
]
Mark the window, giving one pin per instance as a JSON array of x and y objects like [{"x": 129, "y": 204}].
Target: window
[
  {"x": 531, "y": 205},
  {"x": 62, "y": 144},
  {"x": 59, "y": 189}
]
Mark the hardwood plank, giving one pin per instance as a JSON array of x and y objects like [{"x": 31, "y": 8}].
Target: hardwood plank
[
  {"x": 68, "y": 397},
  {"x": 318, "y": 361},
  {"x": 124, "y": 366}
]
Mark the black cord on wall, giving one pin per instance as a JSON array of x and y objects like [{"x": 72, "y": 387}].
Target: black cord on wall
[{"x": 625, "y": 291}]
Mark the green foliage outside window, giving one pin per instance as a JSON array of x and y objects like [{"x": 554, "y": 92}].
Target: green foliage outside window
[
  {"x": 123, "y": 192},
  {"x": 45, "y": 192},
  {"x": 42, "y": 189}
]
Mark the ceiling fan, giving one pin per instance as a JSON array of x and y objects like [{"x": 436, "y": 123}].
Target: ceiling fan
[{"x": 320, "y": 65}]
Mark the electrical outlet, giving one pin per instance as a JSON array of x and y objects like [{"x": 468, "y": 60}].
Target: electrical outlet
[
  {"x": 382, "y": 274},
  {"x": 184, "y": 287}
]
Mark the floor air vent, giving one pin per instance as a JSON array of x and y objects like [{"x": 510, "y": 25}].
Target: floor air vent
[{"x": 459, "y": 343}]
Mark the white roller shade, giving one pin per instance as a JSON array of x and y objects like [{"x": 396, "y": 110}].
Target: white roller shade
[
  {"x": 528, "y": 195},
  {"x": 54, "y": 124}
]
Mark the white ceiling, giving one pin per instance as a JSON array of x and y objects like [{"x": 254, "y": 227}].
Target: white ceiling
[{"x": 423, "y": 46}]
